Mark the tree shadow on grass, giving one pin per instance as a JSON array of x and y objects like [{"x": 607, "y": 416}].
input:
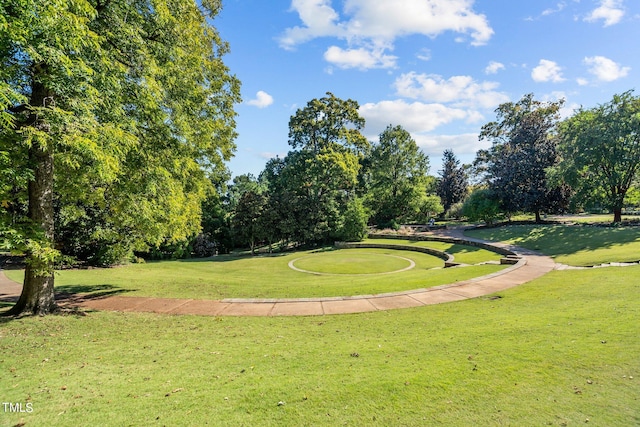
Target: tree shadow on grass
[
  {"x": 70, "y": 293},
  {"x": 325, "y": 249},
  {"x": 563, "y": 239},
  {"x": 228, "y": 258}
]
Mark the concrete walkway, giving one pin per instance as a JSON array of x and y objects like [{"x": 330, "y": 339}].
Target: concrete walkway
[{"x": 531, "y": 266}]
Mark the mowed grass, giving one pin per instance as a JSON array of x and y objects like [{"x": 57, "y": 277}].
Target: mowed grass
[
  {"x": 591, "y": 218},
  {"x": 572, "y": 245},
  {"x": 356, "y": 262},
  {"x": 267, "y": 276},
  {"x": 462, "y": 253},
  {"x": 561, "y": 351}
]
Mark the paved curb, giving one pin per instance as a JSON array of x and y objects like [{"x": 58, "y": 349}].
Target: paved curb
[{"x": 530, "y": 266}]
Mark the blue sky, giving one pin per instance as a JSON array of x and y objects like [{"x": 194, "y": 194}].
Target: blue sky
[{"x": 439, "y": 68}]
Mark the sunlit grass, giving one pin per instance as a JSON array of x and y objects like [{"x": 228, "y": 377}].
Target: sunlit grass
[
  {"x": 358, "y": 262},
  {"x": 573, "y": 245},
  {"x": 462, "y": 253},
  {"x": 265, "y": 276},
  {"x": 562, "y": 350}
]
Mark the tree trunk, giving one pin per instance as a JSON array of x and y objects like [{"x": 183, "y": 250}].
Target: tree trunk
[
  {"x": 617, "y": 214},
  {"x": 37, "y": 295},
  {"x": 538, "y": 219}
]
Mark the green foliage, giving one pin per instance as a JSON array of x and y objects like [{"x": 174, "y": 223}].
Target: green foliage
[
  {"x": 482, "y": 205},
  {"x": 524, "y": 146},
  {"x": 216, "y": 216},
  {"x": 354, "y": 222},
  {"x": 240, "y": 185},
  {"x": 246, "y": 220},
  {"x": 326, "y": 123},
  {"x": 453, "y": 182},
  {"x": 398, "y": 189},
  {"x": 311, "y": 189},
  {"x": 430, "y": 207},
  {"x": 600, "y": 150},
  {"x": 455, "y": 211},
  {"x": 137, "y": 104}
]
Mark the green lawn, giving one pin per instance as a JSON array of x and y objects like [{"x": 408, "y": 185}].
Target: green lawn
[
  {"x": 356, "y": 262},
  {"x": 573, "y": 245},
  {"x": 259, "y": 277},
  {"x": 461, "y": 253},
  {"x": 592, "y": 218},
  {"x": 561, "y": 351}
]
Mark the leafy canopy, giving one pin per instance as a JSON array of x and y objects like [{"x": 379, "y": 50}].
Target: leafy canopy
[
  {"x": 140, "y": 111},
  {"x": 600, "y": 149},
  {"x": 523, "y": 146}
]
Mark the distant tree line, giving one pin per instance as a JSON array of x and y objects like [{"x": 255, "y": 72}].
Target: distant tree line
[
  {"x": 334, "y": 183},
  {"x": 330, "y": 186}
]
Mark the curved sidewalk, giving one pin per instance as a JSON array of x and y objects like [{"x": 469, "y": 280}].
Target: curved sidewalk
[{"x": 531, "y": 266}]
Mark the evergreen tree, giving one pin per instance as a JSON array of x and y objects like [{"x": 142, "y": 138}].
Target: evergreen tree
[{"x": 453, "y": 182}]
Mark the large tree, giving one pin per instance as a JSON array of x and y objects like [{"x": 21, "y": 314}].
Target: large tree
[
  {"x": 316, "y": 181},
  {"x": 246, "y": 219},
  {"x": 398, "y": 182},
  {"x": 524, "y": 145},
  {"x": 600, "y": 149},
  {"x": 327, "y": 123},
  {"x": 113, "y": 107},
  {"x": 453, "y": 182}
]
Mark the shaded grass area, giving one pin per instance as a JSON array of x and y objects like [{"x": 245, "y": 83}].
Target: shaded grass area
[
  {"x": 573, "y": 245},
  {"x": 267, "y": 276},
  {"x": 557, "y": 351},
  {"x": 462, "y": 253}
]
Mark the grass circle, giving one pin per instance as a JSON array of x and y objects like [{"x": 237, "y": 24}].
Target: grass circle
[{"x": 351, "y": 262}]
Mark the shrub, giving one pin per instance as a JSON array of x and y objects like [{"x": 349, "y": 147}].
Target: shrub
[
  {"x": 482, "y": 205},
  {"x": 204, "y": 246},
  {"x": 354, "y": 225}
]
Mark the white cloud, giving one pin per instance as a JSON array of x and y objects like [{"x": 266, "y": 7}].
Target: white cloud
[
  {"x": 582, "y": 81},
  {"x": 464, "y": 145},
  {"x": 424, "y": 54},
  {"x": 366, "y": 23},
  {"x": 567, "y": 109},
  {"x": 262, "y": 100},
  {"x": 610, "y": 11},
  {"x": 459, "y": 90},
  {"x": 547, "y": 71},
  {"x": 605, "y": 69},
  {"x": 319, "y": 20},
  {"x": 494, "y": 67},
  {"x": 559, "y": 7},
  {"x": 391, "y": 19},
  {"x": 361, "y": 58},
  {"x": 550, "y": 11},
  {"x": 415, "y": 117}
]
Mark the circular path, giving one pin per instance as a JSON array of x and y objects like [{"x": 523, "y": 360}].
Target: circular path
[
  {"x": 530, "y": 266},
  {"x": 411, "y": 265}
]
